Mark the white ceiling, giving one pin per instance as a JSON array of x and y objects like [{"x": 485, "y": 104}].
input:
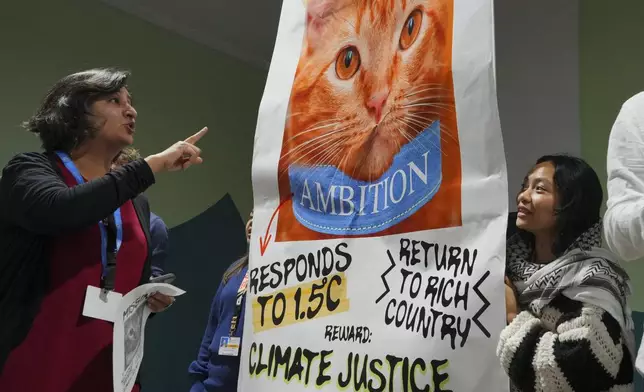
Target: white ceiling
[{"x": 244, "y": 29}]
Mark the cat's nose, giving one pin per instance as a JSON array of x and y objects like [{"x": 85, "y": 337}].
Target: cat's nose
[{"x": 377, "y": 103}]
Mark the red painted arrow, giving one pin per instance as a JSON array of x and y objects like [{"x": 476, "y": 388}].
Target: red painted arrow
[{"x": 264, "y": 241}]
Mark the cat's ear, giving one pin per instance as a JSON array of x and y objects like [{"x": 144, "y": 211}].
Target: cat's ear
[
  {"x": 318, "y": 14},
  {"x": 319, "y": 9}
]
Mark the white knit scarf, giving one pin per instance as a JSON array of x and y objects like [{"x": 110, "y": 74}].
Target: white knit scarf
[{"x": 585, "y": 272}]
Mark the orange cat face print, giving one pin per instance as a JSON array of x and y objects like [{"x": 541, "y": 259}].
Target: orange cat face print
[{"x": 370, "y": 145}]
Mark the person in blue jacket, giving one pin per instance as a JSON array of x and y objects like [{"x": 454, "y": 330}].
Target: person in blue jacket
[{"x": 217, "y": 365}]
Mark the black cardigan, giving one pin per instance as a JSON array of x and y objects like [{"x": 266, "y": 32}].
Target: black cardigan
[{"x": 36, "y": 205}]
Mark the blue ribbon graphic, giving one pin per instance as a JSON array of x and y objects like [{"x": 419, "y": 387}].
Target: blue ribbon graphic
[{"x": 328, "y": 201}]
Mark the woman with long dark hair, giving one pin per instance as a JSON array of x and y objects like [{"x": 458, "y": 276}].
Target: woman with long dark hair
[
  {"x": 569, "y": 324},
  {"x": 74, "y": 234}
]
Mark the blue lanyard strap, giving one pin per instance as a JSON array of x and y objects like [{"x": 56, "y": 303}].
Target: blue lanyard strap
[{"x": 69, "y": 165}]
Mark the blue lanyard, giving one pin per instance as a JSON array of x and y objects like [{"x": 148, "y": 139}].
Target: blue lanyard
[{"x": 69, "y": 164}]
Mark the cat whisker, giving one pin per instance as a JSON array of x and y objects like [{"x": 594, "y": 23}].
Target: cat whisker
[
  {"x": 450, "y": 133},
  {"x": 418, "y": 124},
  {"x": 416, "y": 92},
  {"x": 425, "y": 85},
  {"x": 443, "y": 126},
  {"x": 447, "y": 105},
  {"x": 434, "y": 113},
  {"x": 409, "y": 138},
  {"x": 327, "y": 121},
  {"x": 312, "y": 157},
  {"x": 405, "y": 121},
  {"x": 434, "y": 92},
  {"x": 316, "y": 127},
  {"x": 322, "y": 152},
  {"x": 344, "y": 159},
  {"x": 308, "y": 157},
  {"x": 443, "y": 108},
  {"x": 430, "y": 105},
  {"x": 319, "y": 144},
  {"x": 322, "y": 157},
  {"x": 444, "y": 111},
  {"x": 295, "y": 114},
  {"x": 426, "y": 120},
  {"x": 410, "y": 123},
  {"x": 421, "y": 121},
  {"x": 444, "y": 99},
  {"x": 321, "y": 161},
  {"x": 431, "y": 93},
  {"x": 315, "y": 140},
  {"x": 334, "y": 143},
  {"x": 445, "y": 130}
]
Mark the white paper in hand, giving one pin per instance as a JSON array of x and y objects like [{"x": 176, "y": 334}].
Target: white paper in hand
[{"x": 129, "y": 331}]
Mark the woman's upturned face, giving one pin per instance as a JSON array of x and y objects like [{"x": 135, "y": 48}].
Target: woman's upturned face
[
  {"x": 537, "y": 200},
  {"x": 115, "y": 117},
  {"x": 249, "y": 226}
]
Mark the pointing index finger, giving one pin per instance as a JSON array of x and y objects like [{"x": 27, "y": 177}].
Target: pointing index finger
[{"x": 195, "y": 138}]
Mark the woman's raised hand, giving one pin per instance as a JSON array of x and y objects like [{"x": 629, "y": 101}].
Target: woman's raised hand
[{"x": 179, "y": 156}]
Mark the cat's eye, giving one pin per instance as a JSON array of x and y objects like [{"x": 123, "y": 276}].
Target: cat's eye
[
  {"x": 347, "y": 63},
  {"x": 411, "y": 29}
]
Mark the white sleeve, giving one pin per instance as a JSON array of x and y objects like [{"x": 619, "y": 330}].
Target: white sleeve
[{"x": 624, "y": 219}]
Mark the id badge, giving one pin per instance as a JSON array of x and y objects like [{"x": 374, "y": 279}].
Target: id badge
[
  {"x": 101, "y": 304},
  {"x": 229, "y": 346}
]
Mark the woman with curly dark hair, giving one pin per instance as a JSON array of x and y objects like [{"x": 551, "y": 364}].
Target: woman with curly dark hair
[
  {"x": 569, "y": 323},
  {"x": 72, "y": 229}
]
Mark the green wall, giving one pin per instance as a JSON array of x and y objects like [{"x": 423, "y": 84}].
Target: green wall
[
  {"x": 178, "y": 87},
  {"x": 611, "y": 71}
]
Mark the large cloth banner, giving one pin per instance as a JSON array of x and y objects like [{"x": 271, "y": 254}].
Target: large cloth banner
[{"x": 378, "y": 245}]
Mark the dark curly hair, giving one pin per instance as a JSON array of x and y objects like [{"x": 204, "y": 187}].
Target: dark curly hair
[
  {"x": 63, "y": 120},
  {"x": 580, "y": 197},
  {"x": 127, "y": 155}
]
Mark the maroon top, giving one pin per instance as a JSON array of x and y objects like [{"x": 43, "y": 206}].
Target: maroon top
[{"x": 65, "y": 351}]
